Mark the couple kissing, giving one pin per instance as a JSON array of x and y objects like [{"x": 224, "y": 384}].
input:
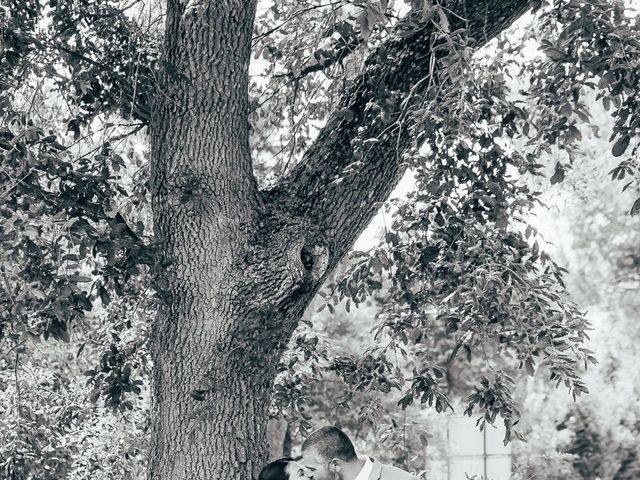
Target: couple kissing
[{"x": 328, "y": 454}]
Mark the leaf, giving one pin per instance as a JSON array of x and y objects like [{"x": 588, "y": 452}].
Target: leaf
[
  {"x": 95, "y": 393},
  {"x": 392, "y": 238},
  {"x": 105, "y": 298},
  {"x": 429, "y": 254},
  {"x": 79, "y": 278},
  {"x": 558, "y": 175},
  {"x": 617, "y": 173},
  {"x": 554, "y": 54},
  {"x": 636, "y": 207},
  {"x": 467, "y": 351},
  {"x": 529, "y": 366},
  {"x": 64, "y": 336},
  {"x": 621, "y": 145},
  {"x": 374, "y": 17},
  {"x": 444, "y": 21},
  {"x": 575, "y": 133},
  {"x": 363, "y": 21},
  {"x": 345, "y": 114}
]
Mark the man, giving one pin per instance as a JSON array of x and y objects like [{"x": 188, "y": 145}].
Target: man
[{"x": 328, "y": 454}]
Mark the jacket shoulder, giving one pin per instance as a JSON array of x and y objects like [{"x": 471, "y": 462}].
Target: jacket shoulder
[{"x": 393, "y": 473}]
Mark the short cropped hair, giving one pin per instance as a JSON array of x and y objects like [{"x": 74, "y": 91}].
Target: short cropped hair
[
  {"x": 331, "y": 442},
  {"x": 275, "y": 470}
]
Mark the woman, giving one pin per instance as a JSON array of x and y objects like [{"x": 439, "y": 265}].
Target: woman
[{"x": 282, "y": 469}]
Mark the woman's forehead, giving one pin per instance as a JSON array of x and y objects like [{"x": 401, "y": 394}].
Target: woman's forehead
[{"x": 293, "y": 466}]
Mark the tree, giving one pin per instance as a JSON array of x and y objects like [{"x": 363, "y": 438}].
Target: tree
[
  {"x": 595, "y": 433},
  {"x": 234, "y": 266}
]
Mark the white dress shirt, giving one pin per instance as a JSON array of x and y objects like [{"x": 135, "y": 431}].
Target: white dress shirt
[{"x": 366, "y": 470}]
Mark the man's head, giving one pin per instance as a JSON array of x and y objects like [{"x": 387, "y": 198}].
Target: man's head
[{"x": 327, "y": 452}]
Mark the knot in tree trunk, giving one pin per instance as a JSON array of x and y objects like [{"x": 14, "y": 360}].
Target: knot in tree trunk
[{"x": 290, "y": 258}]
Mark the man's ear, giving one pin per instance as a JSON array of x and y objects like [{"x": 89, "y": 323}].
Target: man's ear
[{"x": 335, "y": 465}]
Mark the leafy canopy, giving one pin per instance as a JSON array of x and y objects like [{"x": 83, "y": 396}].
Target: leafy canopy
[{"x": 459, "y": 273}]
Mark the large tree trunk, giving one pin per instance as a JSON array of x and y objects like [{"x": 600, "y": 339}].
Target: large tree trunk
[
  {"x": 240, "y": 267},
  {"x": 211, "y": 382}
]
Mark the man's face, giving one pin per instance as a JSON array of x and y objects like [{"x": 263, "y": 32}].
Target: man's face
[{"x": 317, "y": 467}]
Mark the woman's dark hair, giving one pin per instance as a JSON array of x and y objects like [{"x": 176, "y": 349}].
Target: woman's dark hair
[{"x": 275, "y": 470}]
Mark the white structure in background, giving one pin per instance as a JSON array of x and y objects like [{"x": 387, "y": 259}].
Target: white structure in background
[{"x": 475, "y": 453}]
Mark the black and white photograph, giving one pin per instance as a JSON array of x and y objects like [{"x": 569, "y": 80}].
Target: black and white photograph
[{"x": 319, "y": 239}]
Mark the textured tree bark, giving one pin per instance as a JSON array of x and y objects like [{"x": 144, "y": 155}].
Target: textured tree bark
[
  {"x": 210, "y": 388},
  {"x": 241, "y": 266}
]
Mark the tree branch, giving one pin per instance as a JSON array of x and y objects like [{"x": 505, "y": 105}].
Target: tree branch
[{"x": 330, "y": 188}]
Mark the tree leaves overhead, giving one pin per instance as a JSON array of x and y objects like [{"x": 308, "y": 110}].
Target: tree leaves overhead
[
  {"x": 59, "y": 230},
  {"x": 459, "y": 260},
  {"x": 64, "y": 171},
  {"x": 592, "y": 48},
  {"x": 99, "y": 58}
]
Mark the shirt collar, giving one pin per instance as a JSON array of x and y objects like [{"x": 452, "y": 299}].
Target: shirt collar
[{"x": 365, "y": 473}]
